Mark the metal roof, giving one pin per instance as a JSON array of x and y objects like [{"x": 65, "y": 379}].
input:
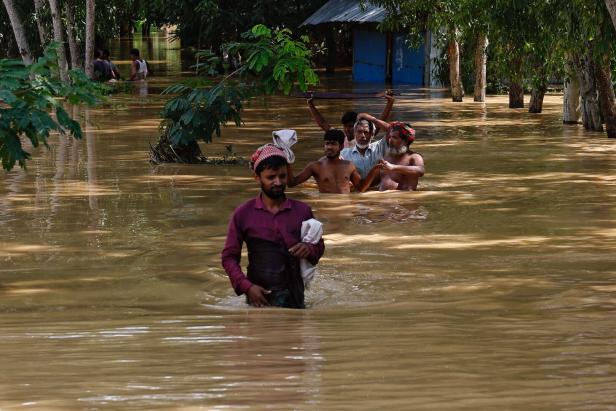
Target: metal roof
[{"x": 346, "y": 11}]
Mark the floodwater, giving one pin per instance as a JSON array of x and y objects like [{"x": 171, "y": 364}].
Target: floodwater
[{"x": 494, "y": 287}]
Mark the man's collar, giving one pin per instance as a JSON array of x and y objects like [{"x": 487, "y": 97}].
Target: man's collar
[
  {"x": 286, "y": 204},
  {"x": 369, "y": 148}
]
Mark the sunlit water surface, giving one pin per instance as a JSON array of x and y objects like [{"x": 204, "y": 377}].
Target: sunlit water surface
[{"x": 494, "y": 287}]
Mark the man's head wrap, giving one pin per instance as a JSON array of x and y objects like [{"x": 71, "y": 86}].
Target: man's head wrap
[
  {"x": 404, "y": 129},
  {"x": 263, "y": 152}
]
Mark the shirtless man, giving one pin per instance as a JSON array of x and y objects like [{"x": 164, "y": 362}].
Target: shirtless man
[
  {"x": 331, "y": 173},
  {"x": 349, "y": 119},
  {"x": 401, "y": 168}
]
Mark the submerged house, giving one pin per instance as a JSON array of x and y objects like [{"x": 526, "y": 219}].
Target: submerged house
[{"x": 379, "y": 57}]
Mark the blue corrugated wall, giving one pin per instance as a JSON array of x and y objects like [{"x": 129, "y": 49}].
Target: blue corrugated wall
[
  {"x": 407, "y": 64},
  {"x": 370, "y": 59},
  {"x": 369, "y": 56}
]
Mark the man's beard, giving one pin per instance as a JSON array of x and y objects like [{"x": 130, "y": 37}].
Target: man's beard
[
  {"x": 362, "y": 146},
  {"x": 397, "y": 151},
  {"x": 274, "y": 193}
]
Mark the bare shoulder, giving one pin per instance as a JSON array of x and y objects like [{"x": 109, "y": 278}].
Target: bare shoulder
[
  {"x": 416, "y": 158},
  {"x": 311, "y": 167},
  {"x": 314, "y": 164}
]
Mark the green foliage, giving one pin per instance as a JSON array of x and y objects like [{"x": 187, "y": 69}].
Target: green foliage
[
  {"x": 272, "y": 61},
  {"x": 275, "y": 60},
  {"x": 207, "y": 63},
  {"x": 418, "y": 16},
  {"x": 198, "y": 113},
  {"x": 28, "y": 97}
]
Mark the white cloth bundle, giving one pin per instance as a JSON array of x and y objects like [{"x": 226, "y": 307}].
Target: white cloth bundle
[
  {"x": 312, "y": 231},
  {"x": 285, "y": 139}
]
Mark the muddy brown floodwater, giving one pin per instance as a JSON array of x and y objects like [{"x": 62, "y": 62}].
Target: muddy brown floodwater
[{"x": 494, "y": 287}]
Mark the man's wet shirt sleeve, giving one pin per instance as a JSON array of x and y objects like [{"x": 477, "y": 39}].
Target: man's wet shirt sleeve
[{"x": 231, "y": 255}]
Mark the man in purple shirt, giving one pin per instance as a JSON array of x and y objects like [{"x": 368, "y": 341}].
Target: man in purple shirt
[{"x": 270, "y": 225}]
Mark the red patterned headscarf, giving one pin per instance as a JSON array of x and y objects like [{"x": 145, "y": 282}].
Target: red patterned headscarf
[
  {"x": 404, "y": 129},
  {"x": 263, "y": 152}
]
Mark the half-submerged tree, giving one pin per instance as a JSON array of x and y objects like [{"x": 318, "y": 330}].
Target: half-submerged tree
[
  {"x": 589, "y": 43},
  {"x": 58, "y": 36},
  {"x": 90, "y": 33},
  {"x": 19, "y": 31},
  {"x": 271, "y": 61}
]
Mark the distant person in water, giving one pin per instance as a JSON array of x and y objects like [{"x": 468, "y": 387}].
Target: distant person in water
[
  {"x": 401, "y": 168},
  {"x": 270, "y": 225},
  {"x": 102, "y": 68},
  {"x": 348, "y": 119},
  {"x": 331, "y": 173},
  {"x": 139, "y": 67},
  {"x": 114, "y": 68}
]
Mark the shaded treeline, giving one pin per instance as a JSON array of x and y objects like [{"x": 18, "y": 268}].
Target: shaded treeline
[{"x": 521, "y": 45}]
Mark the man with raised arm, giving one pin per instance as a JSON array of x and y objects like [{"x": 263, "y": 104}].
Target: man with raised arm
[
  {"x": 270, "y": 225},
  {"x": 349, "y": 118},
  {"x": 365, "y": 154}
]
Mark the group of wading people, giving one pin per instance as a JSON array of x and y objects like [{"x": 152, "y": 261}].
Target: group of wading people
[
  {"x": 105, "y": 71},
  {"x": 283, "y": 239}
]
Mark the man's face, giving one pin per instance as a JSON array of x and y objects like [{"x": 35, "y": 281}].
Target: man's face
[
  {"x": 348, "y": 130},
  {"x": 362, "y": 134},
  {"x": 332, "y": 149},
  {"x": 395, "y": 140},
  {"x": 273, "y": 182}
]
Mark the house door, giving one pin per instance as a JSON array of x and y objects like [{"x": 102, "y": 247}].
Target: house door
[
  {"x": 407, "y": 64},
  {"x": 369, "y": 56}
]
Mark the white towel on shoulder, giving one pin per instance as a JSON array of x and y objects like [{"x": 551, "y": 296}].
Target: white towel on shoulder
[
  {"x": 285, "y": 139},
  {"x": 312, "y": 231}
]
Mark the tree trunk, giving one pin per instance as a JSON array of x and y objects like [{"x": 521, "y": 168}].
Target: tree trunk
[
  {"x": 516, "y": 83},
  {"x": 516, "y": 95},
  {"x": 71, "y": 30},
  {"x": 89, "y": 60},
  {"x": 611, "y": 7},
  {"x": 146, "y": 27},
  {"x": 591, "y": 113},
  {"x": 536, "y": 98},
  {"x": 453, "y": 52},
  {"x": 481, "y": 58},
  {"x": 571, "y": 95},
  {"x": 603, "y": 74},
  {"x": 18, "y": 29},
  {"x": 58, "y": 37},
  {"x": 39, "y": 7}
]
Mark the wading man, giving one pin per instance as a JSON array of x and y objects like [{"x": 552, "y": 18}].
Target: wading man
[
  {"x": 331, "y": 173},
  {"x": 138, "y": 67},
  {"x": 348, "y": 119},
  {"x": 401, "y": 168},
  {"x": 270, "y": 225},
  {"x": 366, "y": 154}
]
